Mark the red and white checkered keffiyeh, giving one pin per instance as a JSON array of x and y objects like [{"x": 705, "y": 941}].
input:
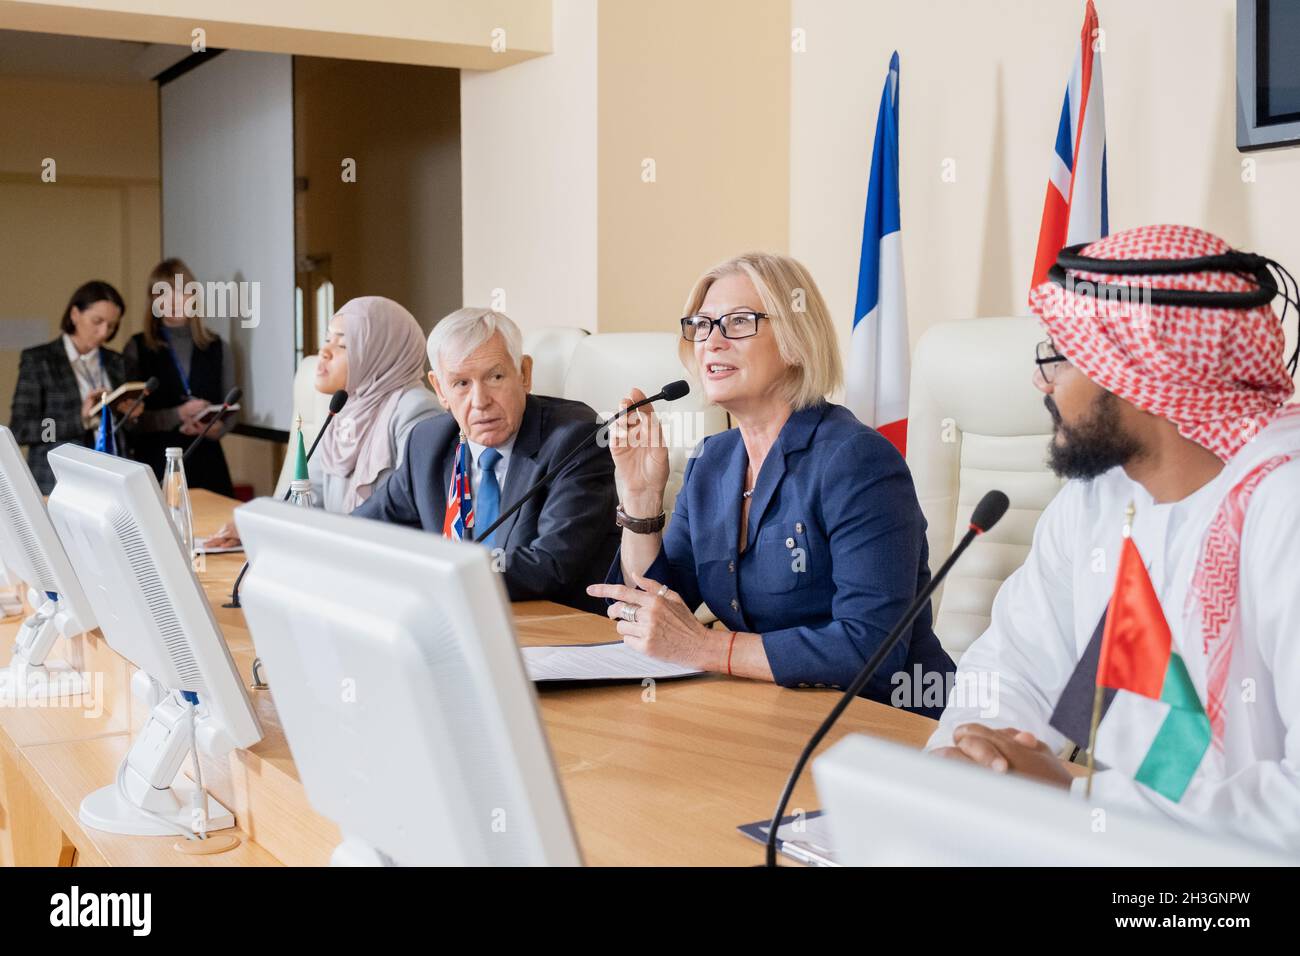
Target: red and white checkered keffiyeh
[{"x": 1217, "y": 374}]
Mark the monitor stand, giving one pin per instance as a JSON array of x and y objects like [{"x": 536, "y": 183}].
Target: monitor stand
[
  {"x": 29, "y": 675},
  {"x": 150, "y": 784}
]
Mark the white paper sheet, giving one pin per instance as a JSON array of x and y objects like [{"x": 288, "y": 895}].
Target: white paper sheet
[
  {"x": 201, "y": 546},
  {"x": 614, "y": 661}
]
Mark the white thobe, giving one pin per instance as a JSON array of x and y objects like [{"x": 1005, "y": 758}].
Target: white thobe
[{"x": 1045, "y": 614}]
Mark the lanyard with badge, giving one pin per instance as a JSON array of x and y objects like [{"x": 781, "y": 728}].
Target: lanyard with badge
[{"x": 176, "y": 364}]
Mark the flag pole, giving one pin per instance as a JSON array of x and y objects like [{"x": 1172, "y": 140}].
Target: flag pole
[{"x": 1097, "y": 694}]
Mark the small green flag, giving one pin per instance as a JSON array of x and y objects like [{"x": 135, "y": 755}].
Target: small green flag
[{"x": 300, "y": 465}]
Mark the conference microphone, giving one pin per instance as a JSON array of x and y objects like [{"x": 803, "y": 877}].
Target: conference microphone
[
  {"x": 987, "y": 513},
  {"x": 337, "y": 401},
  {"x": 231, "y": 398},
  {"x": 669, "y": 393},
  {"x": 150, "y": 387}
]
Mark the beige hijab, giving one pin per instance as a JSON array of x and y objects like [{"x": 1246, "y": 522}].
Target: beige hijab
[{"x": 385, "y": 359}]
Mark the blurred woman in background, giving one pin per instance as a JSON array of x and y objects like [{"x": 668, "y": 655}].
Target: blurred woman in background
[
  {"x": 194, "y": 368},
  {"x": 60, "y": 382}
]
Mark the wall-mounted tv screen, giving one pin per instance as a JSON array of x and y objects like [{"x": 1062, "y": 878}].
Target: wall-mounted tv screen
[{"x": 1268, "y": 73}]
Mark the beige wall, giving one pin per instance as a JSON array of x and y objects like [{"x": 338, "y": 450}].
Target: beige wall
[
  {"x": 396, "y": 230},
  {"x": 452, "y": 33},
  {"x": 702, "y": 89},
  {"x": 98, "y": 220},
  {"x": 559, "y": 220},
  {"x": 985, "y": 92},
  {"x": 528, "y": 180}
]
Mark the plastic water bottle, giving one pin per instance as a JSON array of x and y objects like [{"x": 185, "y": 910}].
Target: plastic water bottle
[
  {"x": 300, "y": 493},
  {"x": 176, "y": 494}
]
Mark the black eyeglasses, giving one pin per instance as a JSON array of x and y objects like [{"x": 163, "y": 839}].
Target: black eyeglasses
[
  {"x": 733, "y": 325},
  {"x": 1047, "y": 358}
]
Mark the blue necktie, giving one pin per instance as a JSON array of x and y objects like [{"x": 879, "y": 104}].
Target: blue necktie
[{"x": 488, "y": 505}]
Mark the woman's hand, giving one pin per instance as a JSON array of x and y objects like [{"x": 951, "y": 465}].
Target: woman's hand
[
  {"x": 665, "y": 627},
  {"x": 189, "y": 413},
  {"x": 192, "y": 408},
  {"x": 640, "y": 455},
  {"x": 90, "y": 418},
  {"x": 124, "y": 403},
  {"x": 227, "y": 536}
]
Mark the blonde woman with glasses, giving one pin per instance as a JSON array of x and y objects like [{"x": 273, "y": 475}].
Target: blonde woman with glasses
[{"x": 799, "y": 528}]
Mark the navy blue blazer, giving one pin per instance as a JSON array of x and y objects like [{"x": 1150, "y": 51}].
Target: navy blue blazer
[
  {"x": 561, "y": 540},
  {"x": 835, "y": 551}
]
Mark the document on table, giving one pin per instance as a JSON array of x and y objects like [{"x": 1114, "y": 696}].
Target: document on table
[
  {"x": 806, "y": 839},
  {"x": 593, "y": 662},
  {"x": 201, "y": 546}
]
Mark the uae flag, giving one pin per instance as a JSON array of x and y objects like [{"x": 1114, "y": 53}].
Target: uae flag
[{"x": 1153, "y": 726}]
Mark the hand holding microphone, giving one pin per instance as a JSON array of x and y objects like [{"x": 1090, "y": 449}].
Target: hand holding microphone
[
  {"x": 636, "y": 443},
  {"x": 669, "y": 393}
]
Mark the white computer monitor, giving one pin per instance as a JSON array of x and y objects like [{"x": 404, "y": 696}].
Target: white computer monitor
[
  {"x": 31, "y": 550},
  {"x": 109, "y": 513},
  {"x": 890, "y": 805},
  {"x": 392, "y": 660}
]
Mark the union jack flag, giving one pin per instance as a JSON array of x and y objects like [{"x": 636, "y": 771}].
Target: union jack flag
[
  {"x": 1076, "y": 207},
  {"x": 460, "y": 497}
]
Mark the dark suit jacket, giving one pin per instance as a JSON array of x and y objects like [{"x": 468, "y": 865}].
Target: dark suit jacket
[
  {"x": 47, "y": 391},
  {"x": 562, "y": 540}
]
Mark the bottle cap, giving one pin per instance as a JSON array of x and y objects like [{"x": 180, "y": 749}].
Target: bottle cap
[
  {"x": 175, "y": 453},
  {"x": 299, "y": 485}
]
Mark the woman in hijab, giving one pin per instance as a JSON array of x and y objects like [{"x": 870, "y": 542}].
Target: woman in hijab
[{"x": 375, "y": 350}]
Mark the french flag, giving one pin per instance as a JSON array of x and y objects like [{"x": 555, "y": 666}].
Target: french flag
[
  {"x": 1075, "y": 210},
  {"x": 877, "y": 374}
]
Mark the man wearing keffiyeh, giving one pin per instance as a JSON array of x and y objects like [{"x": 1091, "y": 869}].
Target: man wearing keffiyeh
[{"x": 1173, "y": 403}]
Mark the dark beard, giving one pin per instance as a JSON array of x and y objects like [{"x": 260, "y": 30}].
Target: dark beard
[{"x": 1092, "y": 446}]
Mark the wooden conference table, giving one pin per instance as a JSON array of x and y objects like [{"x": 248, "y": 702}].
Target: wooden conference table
[{"x": 660, "y": 778}]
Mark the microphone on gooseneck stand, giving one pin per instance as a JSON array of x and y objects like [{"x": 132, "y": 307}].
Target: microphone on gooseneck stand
[
  {"x": 669, "y": 393},
  {"x": 231, "y": 398},
  {"x": 987, "y": 513},
  {"x": 337, "y": 401},
  {"x": 150, "y": 387}
]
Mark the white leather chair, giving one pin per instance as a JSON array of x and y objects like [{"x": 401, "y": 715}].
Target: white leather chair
[
  {"x": 976, "y": 422},
  {"x": 605, "y": 367},
  {"x": 552, "y": 350},
  {"x": 313, "y": 407}
]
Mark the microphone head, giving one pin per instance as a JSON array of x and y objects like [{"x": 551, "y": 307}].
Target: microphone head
[
  {"x": 989, "y": 511},
  {"x": 151, "y": 385},
  {"x": 675, "y": 390},
  {"x": 233, "y": 395},
  {"x": 338, "y": 400}
]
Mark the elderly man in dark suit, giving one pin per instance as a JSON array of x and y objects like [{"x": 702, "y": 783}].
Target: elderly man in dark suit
[{"x": 506, "y": 438}]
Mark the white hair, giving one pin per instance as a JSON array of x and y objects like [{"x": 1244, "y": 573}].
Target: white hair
[{"x": 460, "y": 333}]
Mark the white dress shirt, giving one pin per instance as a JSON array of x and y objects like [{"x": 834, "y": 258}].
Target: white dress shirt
[
  {"x": 89, "y": 371},
  {"x": 1045, "y": 613}
]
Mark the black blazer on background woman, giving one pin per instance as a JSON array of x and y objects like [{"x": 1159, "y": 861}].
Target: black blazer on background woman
[
  {"x": 206, "y": 468},
  {"x": 47, "y": 393}
]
